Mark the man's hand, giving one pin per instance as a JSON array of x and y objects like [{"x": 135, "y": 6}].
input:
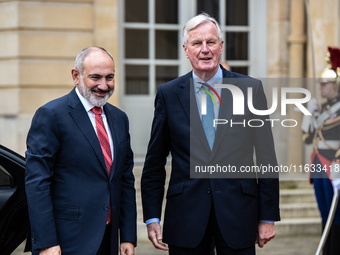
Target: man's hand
[
  {"x": 266, "y": 233},
  {"x": 55, "y": 250},
  {"x": 312, "y": 105},
  {"x": 155, "y": 236},
  {"x": 127, "y": 248},
  {"x": 336, "y": 185}
]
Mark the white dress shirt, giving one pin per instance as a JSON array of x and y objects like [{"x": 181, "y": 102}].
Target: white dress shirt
[{"x": 88, "y": 106}]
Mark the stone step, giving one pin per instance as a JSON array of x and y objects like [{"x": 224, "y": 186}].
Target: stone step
[
  {"x": 295, "y": 183},
  {"x": 299, "y": 196},
  {"x": 303, "y": 210},
  {"x": 298, "y": 227},
  {"x": 299, "y": 212},
  {"x": 142, "y": 231}
]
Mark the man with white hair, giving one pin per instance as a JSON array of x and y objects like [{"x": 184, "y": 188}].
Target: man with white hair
[{"x": 234, "y": 211}]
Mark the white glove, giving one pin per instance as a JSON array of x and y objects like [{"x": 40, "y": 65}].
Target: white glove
[
  {"x": 307, "y": 120},
  {"x": 336, "y": 186},
  {"x": 312, "y": 105}
]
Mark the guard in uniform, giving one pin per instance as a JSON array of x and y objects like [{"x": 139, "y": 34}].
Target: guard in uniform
[{"x": 323, "y": 130}]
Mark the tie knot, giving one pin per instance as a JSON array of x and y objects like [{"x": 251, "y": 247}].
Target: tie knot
[
  {"x": 205, "y": 85},
  {"x": 97, "y": 110}
]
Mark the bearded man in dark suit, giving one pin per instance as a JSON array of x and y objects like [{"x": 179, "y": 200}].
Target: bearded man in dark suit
[{"x": 79, "y": 180}]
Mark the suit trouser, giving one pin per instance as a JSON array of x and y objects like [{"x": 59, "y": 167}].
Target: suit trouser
[
  {"x": 324, "y": 194},
  {"x": 204, "y": 247}
]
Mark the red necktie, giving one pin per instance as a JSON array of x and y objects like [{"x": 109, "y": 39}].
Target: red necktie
[{"x": 104, "y": 144}]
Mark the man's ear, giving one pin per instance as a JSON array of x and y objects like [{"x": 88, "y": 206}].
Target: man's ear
[
  {"x": 75, "y": 76},
  {"x": 221, "y": 47},
  {"x": 185, "y": 48}
]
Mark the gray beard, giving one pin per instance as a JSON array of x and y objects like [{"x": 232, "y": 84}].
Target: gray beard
[{"x": 89, "y": 96}]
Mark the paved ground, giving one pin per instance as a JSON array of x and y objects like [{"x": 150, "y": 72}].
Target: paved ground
[{"x": 303, "y": 245}]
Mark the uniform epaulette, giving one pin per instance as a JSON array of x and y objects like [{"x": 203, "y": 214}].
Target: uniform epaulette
[{"x": 305, "y": 136}]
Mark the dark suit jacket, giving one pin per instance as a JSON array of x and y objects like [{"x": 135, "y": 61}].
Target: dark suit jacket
[
  {"x": 67, "y": 185},
  {"x": 239, "y": 203}
]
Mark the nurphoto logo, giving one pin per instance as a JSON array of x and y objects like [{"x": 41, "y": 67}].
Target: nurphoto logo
[{"x": 239, "y": 103}]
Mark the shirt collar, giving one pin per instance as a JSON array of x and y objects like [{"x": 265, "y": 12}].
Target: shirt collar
[
  {"x": 217, "y": 78},
  {"x": 87, "y": 105}
]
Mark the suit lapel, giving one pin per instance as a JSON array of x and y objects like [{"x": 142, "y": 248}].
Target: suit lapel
[
  {"x": 81, "y": 118},
  {"x": 186, "y": 95},
  {"x": 196, "y": 122},
  {"x": 182, "y": 92},
  {"x": 225, "y": 113}
]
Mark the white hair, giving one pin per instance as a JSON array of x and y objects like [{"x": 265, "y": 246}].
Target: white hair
[{"x": 197, "y": 20}]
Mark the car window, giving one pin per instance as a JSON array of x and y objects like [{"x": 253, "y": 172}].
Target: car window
[{"x": 6, "y": 179}]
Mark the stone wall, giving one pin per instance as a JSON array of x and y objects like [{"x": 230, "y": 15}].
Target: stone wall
[{"x": 39, "y": 41}]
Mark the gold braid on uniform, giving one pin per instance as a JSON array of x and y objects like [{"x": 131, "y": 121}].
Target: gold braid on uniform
[
  {"x": 337, "y": 154},
  {"x": 323, "y": 139},
  {"x": 305, "y": 136},
  {"x": 330, "y": 123},
  {"x": 315, "y": 139}
]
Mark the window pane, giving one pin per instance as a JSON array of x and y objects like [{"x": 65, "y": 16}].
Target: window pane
[
  {"x": 237, "y": 45},
  {"x": 240, "y": 69},
  {"x": 136, "y": 10},
  {"x": 137, "y": 80},
  {"x": 167, "y": 11},
  {"x": 136, "y": 43},
  {"x": 237, "y": 13},
  {"x": 5, "y": 178},
  {"x": 165, "y": 74},
  {"x": 211, "y": 7},
  {"x": 166, "y": 44}
]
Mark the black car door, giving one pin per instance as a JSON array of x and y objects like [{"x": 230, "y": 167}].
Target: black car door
[{"x": 13, "y": 205}]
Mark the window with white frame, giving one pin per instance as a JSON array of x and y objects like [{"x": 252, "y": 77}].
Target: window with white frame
[
  {"x": 151, "y": 49},
  {"x": 151, "y": 45}
]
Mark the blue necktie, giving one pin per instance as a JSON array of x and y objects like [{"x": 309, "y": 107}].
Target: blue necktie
[{"x": 208, "y": 121}]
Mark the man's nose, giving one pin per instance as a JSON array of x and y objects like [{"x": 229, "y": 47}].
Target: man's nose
[
  {"x": 103, "y": 84},
  {"x": 205, "y": 47}
]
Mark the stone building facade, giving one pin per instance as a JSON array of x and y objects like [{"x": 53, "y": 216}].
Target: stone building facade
[{"x": 40, "y": 39}]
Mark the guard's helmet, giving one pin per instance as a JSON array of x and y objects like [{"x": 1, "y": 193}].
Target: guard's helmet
[{"x": 331, "y": 73}]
